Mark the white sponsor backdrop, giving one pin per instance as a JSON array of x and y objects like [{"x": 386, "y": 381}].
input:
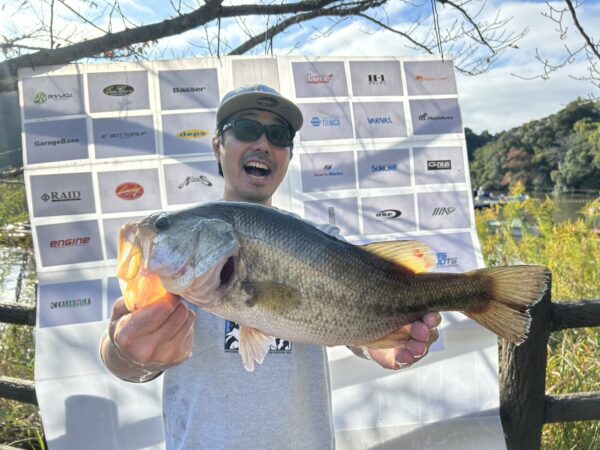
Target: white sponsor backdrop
[{"x": 381, "y": 155}]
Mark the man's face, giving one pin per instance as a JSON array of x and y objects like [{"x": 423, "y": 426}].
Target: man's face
[{"x": 252, "y": 171}]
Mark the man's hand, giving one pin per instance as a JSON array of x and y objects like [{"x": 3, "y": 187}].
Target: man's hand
[
  {"x": 422, "y": 333},
  {"x": 147, "y": 341}
]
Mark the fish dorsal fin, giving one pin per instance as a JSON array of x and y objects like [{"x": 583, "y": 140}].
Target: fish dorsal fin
[
  {"x": 415, "y": 256},
  {"x": 254, "y": 345}
]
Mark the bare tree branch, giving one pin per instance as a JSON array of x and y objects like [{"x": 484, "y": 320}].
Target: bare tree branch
[{"x": 590, "y": 43}]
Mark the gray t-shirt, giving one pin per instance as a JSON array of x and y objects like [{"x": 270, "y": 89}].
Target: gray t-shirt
[{"x": 211, "y": 402}]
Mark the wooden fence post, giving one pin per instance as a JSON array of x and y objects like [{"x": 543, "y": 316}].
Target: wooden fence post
[{"x": 523, "y": 382}]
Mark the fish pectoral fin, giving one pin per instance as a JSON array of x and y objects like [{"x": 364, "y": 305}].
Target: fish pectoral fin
[
  {"x": 396, "y": 339},
  {"x": 270, "y": 295},
  {"x": 415, "y": 256},
  {"x": 254, "y": 345}
]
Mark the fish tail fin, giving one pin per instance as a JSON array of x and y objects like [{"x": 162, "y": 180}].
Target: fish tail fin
[{"x": 511, "y": 292}]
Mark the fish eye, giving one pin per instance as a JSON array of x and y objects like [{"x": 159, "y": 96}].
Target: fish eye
[{"x": 162, "y": 222}]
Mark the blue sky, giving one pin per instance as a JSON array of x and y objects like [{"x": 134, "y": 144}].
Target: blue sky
[{"x": 496, "y": 100}]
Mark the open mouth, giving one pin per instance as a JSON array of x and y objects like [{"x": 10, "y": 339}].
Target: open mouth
[{"x": 257, "y": 169}]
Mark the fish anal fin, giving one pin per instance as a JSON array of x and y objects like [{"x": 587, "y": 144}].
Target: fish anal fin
[
  {"x": 415, "y": 256},
  {"x": 277, "y": 297},
  {"x": 254, "y": 345}
]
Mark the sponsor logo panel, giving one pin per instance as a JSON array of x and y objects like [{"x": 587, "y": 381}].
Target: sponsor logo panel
[
  {"x": 436, "y": 116},
  {"x": 119, "y": 193},
  {"x": 339, "y": 212},
  {"x": 389, "y": 214},
  {"x": 192, "y": 182},
  {"x": 430, "y": 77},
  {"x": 383, "y": 168},
  {"x": 117, "y": 137},
  {"x": 70, "y": 303},
  {"x": 439, "y": 165},
  {"x": 188, "y": 89},
  {"x": 59, "y": 140},
  {"x": 326, "y": 121},
  {"x": 444, "y": 210},
  {"x": 51, "y": 96},
  {"x": 188, "y": 133},
  {"x": 379, "y": 120},
  {"x": 69, "y": 243},
  {"x": 327, "y": 171},
  {"x": 319, "y": 79},
  {"x": 376, "y": 78},
  {"x": 454, "y": 252},
  {"x": 64, "y": 194},
  {"x": 118, "y": 91}
]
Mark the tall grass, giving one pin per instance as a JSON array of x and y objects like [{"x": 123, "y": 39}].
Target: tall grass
[{"x": 571, "y": 250}]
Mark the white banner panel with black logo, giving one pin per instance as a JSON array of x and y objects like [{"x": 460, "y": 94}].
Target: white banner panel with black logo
[{"x": 381, "y": 155}]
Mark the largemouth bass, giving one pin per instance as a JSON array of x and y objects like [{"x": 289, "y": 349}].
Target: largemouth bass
[{"x": 278, "y": 275}]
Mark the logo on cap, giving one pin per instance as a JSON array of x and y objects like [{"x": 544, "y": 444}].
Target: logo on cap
[{"x": 267, "y": 102}]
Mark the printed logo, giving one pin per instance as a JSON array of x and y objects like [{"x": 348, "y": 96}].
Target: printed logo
[
  {"x": 319, "y": 78},
  {"x": 71, "y": 242},
  {"x": 331, "y": 215},
  {"x": 267, "y": 102},
  {"x": 440, "y": 164},
  {"x": 118, "y": 90},
  {"x": 129, "y": 191},
  {"x": 328, "y": 171},
  {"x": 328, "y": 121},
  {"x": 376, "y": 80},
  {"x": 123, "y": 135},
  {"x": 71, "y": 303},
  {"x": 188, "y": 90},
  {"x": 192, "y": 134},
  {"x": 232, "y": 340},
  {"x": 426, "y": 116},
  {"x": 443, "y": 211},
  {"x": 200, "y": 179},
  {"x": 55, "y": 142},
  {"x": 383, "y": 168},
  {"x": 427, "y": 78},
  {"x": 40, "y": 97},
  {"x": 388, "y": 214},
  {"x": 444, "y": 261},
  {"x": 379, "y": 120},
  {"x": 66, "y": 196}
]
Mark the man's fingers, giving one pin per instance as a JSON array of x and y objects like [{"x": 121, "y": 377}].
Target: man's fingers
[{"x": 432, "y": 320}]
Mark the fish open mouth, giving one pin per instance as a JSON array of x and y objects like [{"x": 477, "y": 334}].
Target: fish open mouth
[{"x": 257, "y": 169}]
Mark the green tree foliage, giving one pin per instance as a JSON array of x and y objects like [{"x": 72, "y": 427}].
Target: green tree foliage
[{"x": 560, "y": 152}]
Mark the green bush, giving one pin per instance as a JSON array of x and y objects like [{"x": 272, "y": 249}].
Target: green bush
[{"x": 571, "y": 250}]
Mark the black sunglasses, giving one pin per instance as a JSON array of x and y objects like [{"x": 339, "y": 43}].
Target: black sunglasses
[{"x": 249, "y": 130}]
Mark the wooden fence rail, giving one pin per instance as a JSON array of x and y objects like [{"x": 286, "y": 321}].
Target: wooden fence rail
[{"x": 524, "y": 405}]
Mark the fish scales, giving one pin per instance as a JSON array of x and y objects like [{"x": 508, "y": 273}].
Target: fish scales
[{"x": 338, "y": 284}]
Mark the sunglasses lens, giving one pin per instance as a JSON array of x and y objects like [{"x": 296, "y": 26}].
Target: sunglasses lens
[
  {"x": 247, "y": 130},
  {"x": 280, "y": 135}
]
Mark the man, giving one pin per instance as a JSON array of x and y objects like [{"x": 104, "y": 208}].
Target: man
[{"x": 210, "y": 401}]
